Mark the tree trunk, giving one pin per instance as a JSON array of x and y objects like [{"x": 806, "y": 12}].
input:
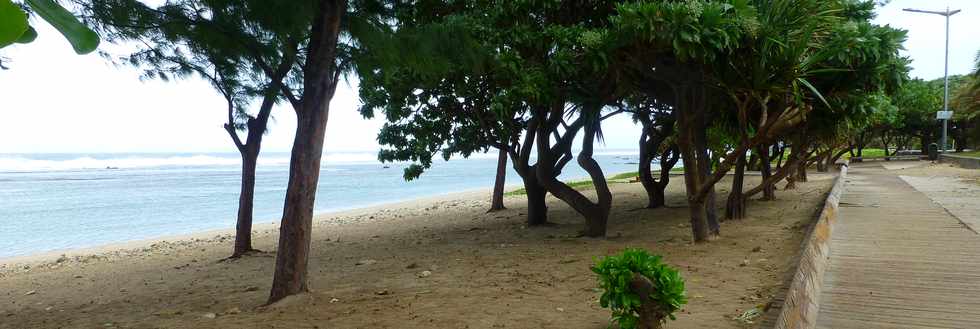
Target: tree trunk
[
  {"x": 652, "y": 315},
  {"x": 243, "y": 228},
  {"x": 688, "y": 126},
  {"x": 768, "y": 191},
  {"x": 655, "y": 195},
  {"x": 704, "y": 170},
  {"x": 781, "y": 152},
  {"x": 497, "y": 200},
  {"x": 596, "y": 213},
  {"x": 822, "y": 161},
  {"x": 801, "y": 174},
  {"x": 654, "y": 188},
  {"x": 735, "y": 207},
  {"x": 321, "y": 76},
  {"x": 537, "y": 208}
]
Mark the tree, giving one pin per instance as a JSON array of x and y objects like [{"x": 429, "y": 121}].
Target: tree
[
  {"x": 441, "y": 95},
  {"x": 657, "y": 124},
  {"x": 527, "y": 81},
  {"x": 216, "y": 41}
]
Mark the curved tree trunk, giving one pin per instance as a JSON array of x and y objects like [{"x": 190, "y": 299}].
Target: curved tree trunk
[
  {"x": 497, "y": 199},
  {"x": 319, "y": 85},
  {"x": 655, "y": 195},
  {"x": 596, "y": 213}
]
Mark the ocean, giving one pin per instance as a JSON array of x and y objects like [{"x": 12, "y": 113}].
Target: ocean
[{"x": 52, "y": 202}]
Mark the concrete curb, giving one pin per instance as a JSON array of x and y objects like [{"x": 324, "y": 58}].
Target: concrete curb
[
  {"x": 800, "y": 307},
  {"x": 961, "y": 161}
]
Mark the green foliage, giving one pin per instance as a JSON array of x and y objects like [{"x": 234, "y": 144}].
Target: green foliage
[
  {"x": 82, "y": 39},
  {"x": 14, "y": 26},
  {"x": 13, "y": 22},
  {"x": 615, "y": 273}
]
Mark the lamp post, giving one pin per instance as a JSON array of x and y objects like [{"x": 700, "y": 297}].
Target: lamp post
[{"x": 947, "y": 115}]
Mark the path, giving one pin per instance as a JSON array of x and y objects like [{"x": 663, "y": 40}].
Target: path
[{"x": 898, "y": 259}]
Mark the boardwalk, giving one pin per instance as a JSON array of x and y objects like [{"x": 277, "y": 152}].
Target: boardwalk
[{"x": 898, "y": 260}]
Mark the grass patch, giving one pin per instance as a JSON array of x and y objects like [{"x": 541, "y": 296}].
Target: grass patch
[
  {"x": 868, "y": 153},
  {"x": 586, "y": 184}
]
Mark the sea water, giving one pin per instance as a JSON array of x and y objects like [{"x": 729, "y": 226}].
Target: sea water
[{"x": 64, "y": 201}]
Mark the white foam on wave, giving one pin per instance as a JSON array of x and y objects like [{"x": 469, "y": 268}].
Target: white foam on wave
[{"x": 35, "y": 163}]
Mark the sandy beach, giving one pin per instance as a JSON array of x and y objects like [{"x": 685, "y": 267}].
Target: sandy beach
[{"x": 440, "y": 262}]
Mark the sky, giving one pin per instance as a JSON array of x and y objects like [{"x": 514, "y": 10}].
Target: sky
[{"x": 53, "y": 101}]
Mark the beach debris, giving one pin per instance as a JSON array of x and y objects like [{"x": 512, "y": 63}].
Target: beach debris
[
  {"x": 78, "y": 276},
  {"x": 365, "y": 262},
  {"x": 251, "y": 288},
  {"x": 412, "y": 265},
  {"x": 757, "y": 249},
  {"x": 559, "y": 309},
  {"x": 333, "y": 300},
  {"x": 382, "y": 292},
  {"x": 425, "y": 274},
  {"x": 233, "y": 310},
  {"x": 210, "y": 315},
  {"x": 49, "y": 308},
  {"x": 30, "y": 292},
  {"x": 745, "y": 262},
  {"x": 748, "y": 316}
]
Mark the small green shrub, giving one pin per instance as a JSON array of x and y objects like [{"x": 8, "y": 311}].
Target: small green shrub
[{"x": 615, "y": 273}]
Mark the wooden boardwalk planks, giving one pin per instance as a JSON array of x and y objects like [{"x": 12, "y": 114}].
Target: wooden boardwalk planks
[{"x": 898, "y": 260}]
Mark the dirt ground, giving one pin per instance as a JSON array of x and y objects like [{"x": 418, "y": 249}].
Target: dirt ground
[{"x": 435, "y": 263}]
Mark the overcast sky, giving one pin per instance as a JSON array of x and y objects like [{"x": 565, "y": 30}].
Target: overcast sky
[{"x": 52, "y": 100}]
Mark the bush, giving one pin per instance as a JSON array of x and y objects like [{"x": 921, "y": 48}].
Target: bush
[{"x": 615, "y": 274}]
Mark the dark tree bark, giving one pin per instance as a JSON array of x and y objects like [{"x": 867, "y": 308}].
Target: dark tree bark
[
  {"x": 651, "y": 139},
  {"x": 886, "y": 140},
  {"x": 551, "y": 159},
  {"x": 520, "y": 154},
  {"x": 652, "y": 315},
  {"x": 822, "y": 160},
  {"x": 537, "y": 208},
  {"x": 249, "y": 150},
  {"x": 243, "y": 227},
  {"x": 320, "y": 78},
  {"x": 735, "y": 207},
  {"x": 781, "y": 151},
  {"x": 860, "y": 143},
  {"x": 688, "y": 111},
  {"x": 655, "y": 191},
  {"x": 768, "y": 190},
  {"x": 497, "y": 199},
  {"x": 710, "y": 201}
]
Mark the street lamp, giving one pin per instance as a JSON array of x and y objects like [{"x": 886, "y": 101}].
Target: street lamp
[{"x": 946, "y": 115}]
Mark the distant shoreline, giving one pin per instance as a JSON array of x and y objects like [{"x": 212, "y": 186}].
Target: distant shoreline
[
  {"x": 263, "y": 226},
  {"x": 218, "y": 235}
]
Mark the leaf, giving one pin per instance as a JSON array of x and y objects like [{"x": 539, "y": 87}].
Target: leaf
[
  {"x": 13, "y": 23},
  {"x": 814, "y": 90},
  {"x": 28, "y": 36},
  {"x": 82, "y": 38}
]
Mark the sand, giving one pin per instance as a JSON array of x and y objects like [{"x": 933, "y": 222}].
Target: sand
[{"x": 431, "y": 263}]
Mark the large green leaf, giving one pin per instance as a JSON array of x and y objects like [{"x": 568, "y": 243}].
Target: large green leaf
[
  {"x": 13, "y": 22},
  {"x": 83, "y": 39},
  {"x": 28, "y": 36}
]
